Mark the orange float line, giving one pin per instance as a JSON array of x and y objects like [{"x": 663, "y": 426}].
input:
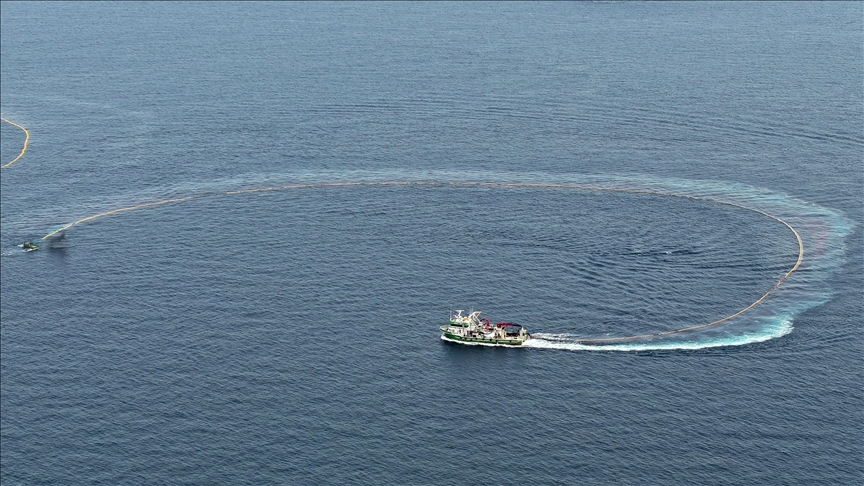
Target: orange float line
[{"x": 588, "y": 341}]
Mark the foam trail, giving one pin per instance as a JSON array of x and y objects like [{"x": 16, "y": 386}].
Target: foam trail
[
  {"x": 820, "y": 232},
  {"x": 570, "y": 342}
]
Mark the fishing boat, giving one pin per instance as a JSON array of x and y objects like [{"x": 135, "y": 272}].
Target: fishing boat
[{"x": 472, "y": 329}]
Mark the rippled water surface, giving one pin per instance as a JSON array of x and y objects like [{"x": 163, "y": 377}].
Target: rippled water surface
[{"x": 588, "y": 170}]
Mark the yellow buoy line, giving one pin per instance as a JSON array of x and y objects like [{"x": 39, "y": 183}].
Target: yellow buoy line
[
  {"x": 586, "y": 341},
  {"x": 23, "y": 149}
]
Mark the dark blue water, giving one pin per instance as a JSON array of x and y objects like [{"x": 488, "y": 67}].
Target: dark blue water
[{"x": 558, "y": 165}]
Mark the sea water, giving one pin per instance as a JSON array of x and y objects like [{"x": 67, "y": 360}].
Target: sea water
[{"x": 344, "y": 175}]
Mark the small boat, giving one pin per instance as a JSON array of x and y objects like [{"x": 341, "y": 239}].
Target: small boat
[
  {"x": 27, "y": 246},
  {"x": 471, "y": 329}
]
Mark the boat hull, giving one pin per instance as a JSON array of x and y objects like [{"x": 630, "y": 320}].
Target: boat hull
[{"x": 446, "y": 336}]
